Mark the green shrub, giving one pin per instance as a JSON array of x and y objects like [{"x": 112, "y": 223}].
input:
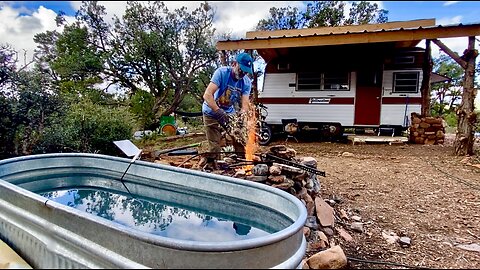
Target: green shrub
[{"x": 88, "y": 128}]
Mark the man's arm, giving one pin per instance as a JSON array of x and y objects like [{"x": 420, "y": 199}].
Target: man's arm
[
  {"x": 245, "y": 103},
  {"x": 208, "y": 96}
]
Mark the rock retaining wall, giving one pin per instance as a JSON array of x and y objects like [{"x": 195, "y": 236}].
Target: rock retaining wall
[{"x": 427, "y": 130}]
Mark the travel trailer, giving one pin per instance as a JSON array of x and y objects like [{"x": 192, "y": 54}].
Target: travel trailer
[{"x": 359, "y": 77}]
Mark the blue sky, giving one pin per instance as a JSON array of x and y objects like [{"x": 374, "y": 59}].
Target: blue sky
[
  {"x": 410, "y": 10},
  {"x": 28, "y": 7}
]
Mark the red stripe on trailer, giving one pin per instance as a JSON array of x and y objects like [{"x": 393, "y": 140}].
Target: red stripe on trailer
[
  {"x": 348, "y": 101},
  {"x": 401, "y": 100}
]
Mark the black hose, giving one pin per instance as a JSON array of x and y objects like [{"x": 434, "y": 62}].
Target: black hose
[{"x": 385, "y": 263}]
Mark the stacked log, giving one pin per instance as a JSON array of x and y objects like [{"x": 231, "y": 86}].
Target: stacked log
[{"x": 427, "y": 130}]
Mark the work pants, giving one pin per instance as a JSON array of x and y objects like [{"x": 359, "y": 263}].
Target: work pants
[{"x": 213, "y": 131}]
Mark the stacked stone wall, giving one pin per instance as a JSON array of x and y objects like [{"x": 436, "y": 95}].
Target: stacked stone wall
[{"x": 427, "y": 130}]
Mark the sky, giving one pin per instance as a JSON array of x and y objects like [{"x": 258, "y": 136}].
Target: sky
[{"x": 21, "y": 20}]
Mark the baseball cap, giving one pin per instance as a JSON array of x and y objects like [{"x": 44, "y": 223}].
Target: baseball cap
[{"x": 246, "y": 62}]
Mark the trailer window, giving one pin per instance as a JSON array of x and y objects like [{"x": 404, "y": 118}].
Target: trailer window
[
  {"x": 327, "y": 81},
  {"x": 335, "y": 81},
  {"x": 309, "y": 81},
  {"x": 405, "y": 82}
]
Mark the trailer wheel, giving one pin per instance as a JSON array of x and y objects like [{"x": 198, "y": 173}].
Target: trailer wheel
[
  {"x": 265, "y": 134},
  {"x": 336, "y": 130}
]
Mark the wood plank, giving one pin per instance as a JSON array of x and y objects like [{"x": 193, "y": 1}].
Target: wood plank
[
  {"x": 353, "y": 38},
  {"x": 9, "y": 259},
  {"x": 341, "y": 29},
  {"x": 362, "y": 139}
]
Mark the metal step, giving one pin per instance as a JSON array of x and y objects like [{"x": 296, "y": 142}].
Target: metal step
[{"x": 386, "y": 129}]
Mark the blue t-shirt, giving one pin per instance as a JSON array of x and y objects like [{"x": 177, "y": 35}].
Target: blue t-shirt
[{"x": 228, "y": 95}]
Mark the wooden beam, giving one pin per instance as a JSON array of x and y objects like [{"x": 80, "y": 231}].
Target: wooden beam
[
  {"x": 427, "y": 71},
  {"x": 353, "y": 38},
  {"x": 268, "y": 54},
  {"x": 341, "y": 29},
  {"x": 450, "y": 53},
  {"x": 406, "y": 44}
]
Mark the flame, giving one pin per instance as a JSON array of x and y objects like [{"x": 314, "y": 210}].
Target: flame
[{"x": 252, "y": 144}]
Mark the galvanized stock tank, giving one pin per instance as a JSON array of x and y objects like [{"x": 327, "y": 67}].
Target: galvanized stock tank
[{"x": 48, "y": 234}]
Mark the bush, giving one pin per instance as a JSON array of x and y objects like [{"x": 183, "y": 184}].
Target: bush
[{"x": 88, "y": 128}]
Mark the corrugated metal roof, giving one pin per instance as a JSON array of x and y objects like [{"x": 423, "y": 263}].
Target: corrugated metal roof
[
  {"x": 350, "y": 35},
  {"x": 356, "y": 32}
]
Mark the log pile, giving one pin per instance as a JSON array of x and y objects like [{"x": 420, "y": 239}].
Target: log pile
[
  {"x": 288, "y": 178},
  {"x": 427, "y": 130}
]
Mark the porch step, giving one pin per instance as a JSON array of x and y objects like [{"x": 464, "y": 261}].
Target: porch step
[{"x": 362, "y": 139}]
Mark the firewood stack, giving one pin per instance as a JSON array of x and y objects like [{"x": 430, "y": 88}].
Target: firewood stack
[
  {"x": 294, "y": 180},
  {"x": 427, "y": 130}
]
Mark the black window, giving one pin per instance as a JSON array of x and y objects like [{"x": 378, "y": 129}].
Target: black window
[
  {"x": 405, "y": 82},
  {"x": 309, "y": 81},
  {"x": 335, "y": 81}
]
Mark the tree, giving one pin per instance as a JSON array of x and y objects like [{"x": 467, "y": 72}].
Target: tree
[
  {"x": 322, "y": 14},
  {"x": 446, "y": 95},
  {"x": 153, "y": 49},
  {"x": 365, "y": 12},
  {"x": 7, "y": 63},
  {"x": 282, "y": 18}
]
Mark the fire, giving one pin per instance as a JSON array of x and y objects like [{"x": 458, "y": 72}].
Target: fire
[{"x": 252, "y": 145}]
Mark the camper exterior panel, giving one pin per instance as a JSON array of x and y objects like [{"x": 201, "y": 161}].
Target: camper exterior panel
[
  {"x": 283, "y": 85},
  {"x": 277, "y": 85},
  {"x": 397, "y": 114},
  {"x": 328, "y": 113}
]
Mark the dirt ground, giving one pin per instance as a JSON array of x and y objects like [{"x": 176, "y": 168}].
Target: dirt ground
[{"x": 421, "y": 192}]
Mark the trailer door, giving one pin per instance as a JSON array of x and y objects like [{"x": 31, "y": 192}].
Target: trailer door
[{"x": 368, "y": 98}]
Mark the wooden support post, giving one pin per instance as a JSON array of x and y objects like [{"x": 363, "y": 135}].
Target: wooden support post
[
  {"x": 427, "y": 71},
  {"x": 465, "y": 113},
  {"x": 466, "y": 116}
]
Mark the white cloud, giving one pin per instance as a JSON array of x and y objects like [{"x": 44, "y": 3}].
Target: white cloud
[
  {"x": 449, "y": 20},
  {"x": 448, "y": 3},
  {"x": 19, "y": 30}
]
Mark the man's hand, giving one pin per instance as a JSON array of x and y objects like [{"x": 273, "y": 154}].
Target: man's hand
[{"x": 222, "y": 118}]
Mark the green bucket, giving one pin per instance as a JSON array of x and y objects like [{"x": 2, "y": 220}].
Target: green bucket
[{"x": 167, "y": 119}]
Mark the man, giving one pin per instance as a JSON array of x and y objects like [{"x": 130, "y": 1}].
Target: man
[{"x": 227, "y": 93}]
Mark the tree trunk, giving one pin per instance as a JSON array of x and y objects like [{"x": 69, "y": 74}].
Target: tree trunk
[
  {"x": 427, "y": 71},
  {"x": 466, "y": 116}
]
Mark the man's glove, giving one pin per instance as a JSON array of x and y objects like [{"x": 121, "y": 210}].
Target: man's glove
[{"x": 222, "y": 118}]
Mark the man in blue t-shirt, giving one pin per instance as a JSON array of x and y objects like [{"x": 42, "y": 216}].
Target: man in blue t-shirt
[{"x": 227, "y": 93}]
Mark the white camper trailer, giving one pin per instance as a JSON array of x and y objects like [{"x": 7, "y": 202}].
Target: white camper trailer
[
  {"x": 331, "y": 78},
  {"x": 331, "y": 99}
]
